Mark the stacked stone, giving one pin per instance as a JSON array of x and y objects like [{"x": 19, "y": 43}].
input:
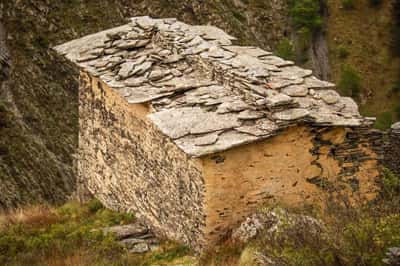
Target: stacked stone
[
  {"x": 207, "y": 94},
  {"x": 392, "y": 152}
]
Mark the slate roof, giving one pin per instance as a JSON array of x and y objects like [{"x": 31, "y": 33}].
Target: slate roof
[{"x": 207, "y": 94}]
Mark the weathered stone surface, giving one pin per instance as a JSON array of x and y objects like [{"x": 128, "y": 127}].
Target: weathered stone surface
[
  {"x": 262, "y": 127},
  {"x": 396, "y": 128},
  {"x": 295, "y": 91},
  {"x": 250, "y": 115},
  {"x": 274, "y": 223},
  {"x": 328, "y": 96},
  {"x": 127, "y": 231},
  {"x": 177, "y": 123},
  {"x": 292, "y": 114},
  {"x": 161, "y": 136}
]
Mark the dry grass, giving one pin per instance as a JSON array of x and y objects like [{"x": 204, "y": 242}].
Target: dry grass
[{"x": 35, "y": 216}]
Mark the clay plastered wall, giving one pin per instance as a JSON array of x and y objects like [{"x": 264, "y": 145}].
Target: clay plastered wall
[
  {"x": 130, "y": 166},
  {"x": 294, "y": 168}
]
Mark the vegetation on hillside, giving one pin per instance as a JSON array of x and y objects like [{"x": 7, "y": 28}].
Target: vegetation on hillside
[
  {"x": 355, "y": 233},
  {"x": 70, "y": 235},
  {"x": 364, "y": 35}
]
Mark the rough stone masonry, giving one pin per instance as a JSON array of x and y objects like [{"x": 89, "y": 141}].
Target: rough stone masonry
[{"x": 194, "y": 133}]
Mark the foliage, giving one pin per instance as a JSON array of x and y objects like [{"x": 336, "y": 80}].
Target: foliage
[
  {"x": 375, "y": 3},
  {"x": 395, "y": 44},
  {"x": 390, "y": 184},
  {"x": 350, "y": 81},
  {"x": 384, "y": 120},
  {"x": 348, "y": 4},
  {"x": 38, "y": 234},
  {"x": 306, "y": 15},
  {"x": 342, "y": 51},
  {"x": 356, "y": 232},
  {"x": 397, "y": 111},
  {"x": 285, "y": 49},
  {"x": 396, "y": 87}
]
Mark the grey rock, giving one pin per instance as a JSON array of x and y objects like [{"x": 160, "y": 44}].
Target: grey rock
[
  {"x": 277, "y": 100},
  {"x": 328, "y": 96},
  {"x": 207, "y": 139},
  {"x": 396, "y": 127},
  {"x": 133, "y": 44},
  {"x": 250, "y": 115},
  {"x": 177, "y": 123},
  {"x": 125, "y": 231},
  {"x": 291, "y": 114},
  {"x": 262, "y": 127},
  {"x": 295, "y": 90},
  {"x": 140, "y": 248},
  {"x": 274, "y": 224}
]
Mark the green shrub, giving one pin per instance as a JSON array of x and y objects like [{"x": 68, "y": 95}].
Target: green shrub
[
  {"x": 285, "y": 49},
  {"x": 348, "y": 4},
  {"x": 94, "y": 205},
  {"x": 342, "y": 51},
  {"x": 375, "y": 3},
  {"x": 390, "y": 183},
  {"x": 350, "y": 81},
  {"x": 395, "y": 87},
  {"x": 395, "y": 42},
  {"x": 397, "y": 111},
  {"x": 384, "y": 120},
  {"x": 306, "y": 14}
]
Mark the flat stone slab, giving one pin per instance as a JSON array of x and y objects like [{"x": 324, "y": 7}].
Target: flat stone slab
[
  {"x": 127, "y": 231},
  {"x": 204, "y": 92}
]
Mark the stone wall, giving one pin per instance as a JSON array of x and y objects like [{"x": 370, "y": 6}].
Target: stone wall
[
  {"x": 131, "y": 166},
  {"x": 392, "y": 149},
  {"x": 301, "y": 166}
]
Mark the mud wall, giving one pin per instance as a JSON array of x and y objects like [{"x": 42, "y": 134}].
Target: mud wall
[{"x": 300, "y": 166}]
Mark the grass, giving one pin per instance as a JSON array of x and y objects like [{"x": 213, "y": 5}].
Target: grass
[{"x": 69, "y": 235}]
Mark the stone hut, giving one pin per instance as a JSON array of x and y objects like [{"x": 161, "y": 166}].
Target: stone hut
[{"x": 193, "y": 133}]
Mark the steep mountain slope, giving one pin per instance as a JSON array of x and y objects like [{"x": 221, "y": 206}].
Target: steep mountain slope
[
  {"x": 360, "y": 36},
  {"x": 38, "y": 103}
]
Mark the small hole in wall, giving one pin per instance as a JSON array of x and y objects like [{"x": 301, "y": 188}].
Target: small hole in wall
[{"x": 218, "y": 159}]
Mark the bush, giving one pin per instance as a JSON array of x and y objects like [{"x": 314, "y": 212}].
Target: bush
[
  {"x": 390, "y": 184},
  {"x": 395, "y": 43},
  {"x": 342, "y": 52},
  {"x": 348, "y": 4},
  {"x": 397, "y": 111},
  {"x": 396, "y": 87},
  {"x": 384, "y": 120},
  {"x": 285, "y": 49},
  {"x": 350, "y": 81},
  {"x": 306, "y": 14},
  {"x": 375, "y": 3},
  {"x": 35, "y": 235}
]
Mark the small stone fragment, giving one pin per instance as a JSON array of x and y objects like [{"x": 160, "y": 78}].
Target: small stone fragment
[
  {"x": 295, "y": 91},
  {"x": 292, "y": 114},
  {"x": 250, "y": 115}
]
